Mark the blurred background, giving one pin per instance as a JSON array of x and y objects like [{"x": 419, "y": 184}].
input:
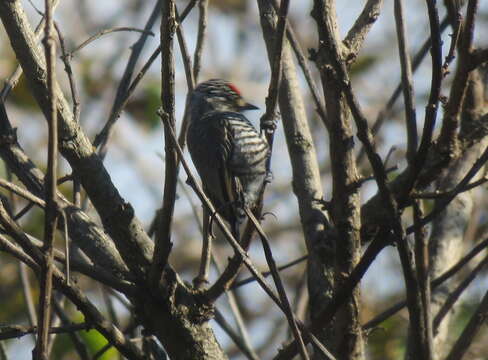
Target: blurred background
[{"x": 234, "y": 50}]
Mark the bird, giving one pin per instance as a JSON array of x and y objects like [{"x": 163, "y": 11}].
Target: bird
[{"x": 229, "y": 154}]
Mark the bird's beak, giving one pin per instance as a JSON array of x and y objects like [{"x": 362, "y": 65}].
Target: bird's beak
[{"x": 247, "y": 106}]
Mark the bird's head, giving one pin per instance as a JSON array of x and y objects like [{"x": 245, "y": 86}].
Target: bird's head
[{"x": 217, "y": 95}]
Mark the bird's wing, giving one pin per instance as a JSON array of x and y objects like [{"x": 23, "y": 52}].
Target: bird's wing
[{"x": 223, "y": 137}]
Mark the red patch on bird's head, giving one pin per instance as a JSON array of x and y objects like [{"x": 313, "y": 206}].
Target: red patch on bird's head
[{"x": 234, "y": 88}]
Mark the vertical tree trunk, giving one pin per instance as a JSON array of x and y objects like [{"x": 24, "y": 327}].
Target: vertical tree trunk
[
  {"x": 345, "y": 195},
  {"x": 448, "y": 229},
  {"x": 306, "y": 176}
]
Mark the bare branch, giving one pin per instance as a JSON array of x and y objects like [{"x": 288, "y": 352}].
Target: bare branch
[
  {"x": 123, "y": 91},
  {"x": 357, "y": 34},
  {"x": 51, "y": 210},
  {"x": 434, "y": 284},
  {"x": 467, "y": 336},
  {"x": 456, "y": 293},
  {"x": 117, "y": 215},
  {"x": 13, "y": 79},
  {"x": 23, "y": 193},
  {"x": 17, "y": 331},
  {"x": 189, "y": 71},
  {"x": 454, "y": 42},
  {"x": 407, "y": 82},
  {"x": 202, "y": 29},
  {"x": 279, "y": 285},
  {"x": 247, "y": 352},
  {"x": 79, "y": 346},
  {"x": 87, "y": 235},
  {"x": 303, "y": 62},
  {"x": 267, "y": 273},
  {"x": 340, "y": 297},
  {"x": 26, "y": 289},
  {"x": 105, "y": 32},
  {"x": 268, "y": 119},
  {"x": 163, "y": 243},
  {"x": 423, "y": 279},
  {"x": 432, "y": 106},
  {"x": 450, "y": 124},
  {"x": 76, "y": 296},
  {"x": 417, "y": 60}
]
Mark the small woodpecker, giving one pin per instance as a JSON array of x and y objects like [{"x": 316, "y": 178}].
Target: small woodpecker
[{"x": 228, "y": 152}]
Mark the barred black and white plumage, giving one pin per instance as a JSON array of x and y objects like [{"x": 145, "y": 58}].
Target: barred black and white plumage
[{"x": 228, "y": 152}]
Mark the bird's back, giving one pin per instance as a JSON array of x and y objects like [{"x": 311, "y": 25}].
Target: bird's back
[{"x": 230, "y": 157}]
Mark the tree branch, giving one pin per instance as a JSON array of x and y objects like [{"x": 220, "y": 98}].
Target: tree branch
[
  {"x": 118, "y": 216},
  {"x": 113, "y": 335},
  {"x": 407, "y": 82},
  {"x": 357, "y": 34},
  {"x": 467, "y": 336},
  {"x": 163, "y": 243},
  {"x": 51, "y": 210}
]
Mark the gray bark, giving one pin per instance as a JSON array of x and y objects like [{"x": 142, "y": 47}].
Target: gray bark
[
  {"x": 446, "y": 245},
  {"x": 306, "y": 176},
  {"x": 170, "y": 311},
  {"x": 345, "y": 203}
]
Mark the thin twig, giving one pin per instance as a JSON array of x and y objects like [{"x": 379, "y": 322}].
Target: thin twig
[
  {"x": 407, "y": 81},
  {"x": 13, "y": 79},
  {"x": 267, "y": 273},
  {"x": 267, "y": 121},
  {"x": 246, "y": 351},
  {"x": 190, "y": 77},
  {"x": 234, "y": 306},
  {"x": 422, "y": 267},
  {"x": 51, "y": 211},
  {"x": 104, "y": 134},
  {"x": 417, "y": 60},
  {"x": 454, "y": 42},
  {"x": 433, "y": 102},
  {"x": 27, "y": 292},
  {"x": 163, "y": 242},
  {"x": 441, "y": 205},
  {"x": 76, "y": 103},
  {"x": 17, "y": 331},
  {"x": 112, "y": 333},
  {"x": 414, "y": 301},
  {"x": 66, "y": 245},
  {"x": 448, "y": 138},
  {"x": 13, "y": 249},
  {"x": 105, "y": 32},
  {"x": 434, "y": 284},
  {"x": 340, "y": 297},
  {"x": 303, "y": 62},
  {"x": 24, "y": 211},
  {"x": 79, "y": 346},
  {"x": 123, "y": 92},
  {"x": 456, "y": 293},
  {"x": 358, "y": 32},
  {"x": 66, "y": 58},
  {"x": 202, "y": 29},
  {"x": 467, "y": 336},
  {"x": 279, "y": 284},
  {"x": 441, "y": 194},
  {"x": 22, "y": 193}
]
